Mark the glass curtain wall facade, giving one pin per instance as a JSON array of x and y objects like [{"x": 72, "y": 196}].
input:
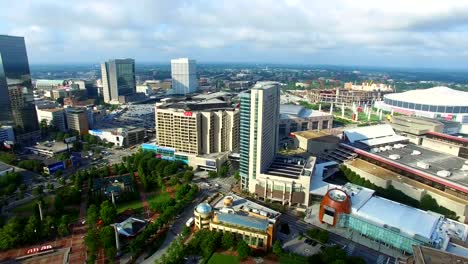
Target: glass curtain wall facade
[
  {"x": 118, "y": 78},
  {"x": 244, "y": 139},
  {"x": 16, "y": 93},
  {"x": 388, "y": 236}
]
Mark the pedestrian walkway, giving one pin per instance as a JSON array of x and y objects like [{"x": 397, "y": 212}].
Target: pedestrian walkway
[{"x": 142, "y": 193}]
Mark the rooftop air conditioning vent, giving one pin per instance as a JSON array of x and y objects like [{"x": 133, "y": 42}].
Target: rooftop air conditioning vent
[
  {"x": 415, "y": 153},
  {"x": 422, "y": 165},
  {"x": 394, "y": 157},
  {"x": 444, "y": 173}
]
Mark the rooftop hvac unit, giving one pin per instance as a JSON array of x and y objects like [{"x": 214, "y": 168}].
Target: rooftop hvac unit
[
  {"x": 415, "y": 153},
  {"x": 422, "y": 165},
  {"x": 397, "y": 146},
  {"x": 388, "y": 147},
  {"x": 394, "y": 156},
  {"x": 382, "y": 149},
  {"x": 444, "y": 173},
  {"x": 464, "y": 167},
  {"x": 375, "y": 150}
]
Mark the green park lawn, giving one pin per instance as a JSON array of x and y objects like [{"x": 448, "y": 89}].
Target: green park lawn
[
  {"x": 219, "y": 258},
  {"x": 135, "y": 205}
]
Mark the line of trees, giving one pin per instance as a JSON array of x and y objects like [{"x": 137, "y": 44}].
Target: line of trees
[{"x": 100, "y": 236}]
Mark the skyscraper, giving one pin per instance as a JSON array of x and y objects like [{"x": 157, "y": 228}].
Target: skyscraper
[
  {"x": 184, "y": 76},
  {"x": 259, "y": 137},
  {"x": 118, "y": 78},
  {"x": 16, "y": 95}
]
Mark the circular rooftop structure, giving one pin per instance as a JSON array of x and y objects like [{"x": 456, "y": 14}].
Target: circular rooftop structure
[
  {"x": 203, "y": 208},
  {"x": 438, "y": 99},
  {"x": 337, "y": 195}
]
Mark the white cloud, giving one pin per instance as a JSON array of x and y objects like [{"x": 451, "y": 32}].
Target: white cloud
[{"x": 242, "y": 30}]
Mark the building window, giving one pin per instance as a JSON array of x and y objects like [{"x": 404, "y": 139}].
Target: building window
[
  {"x": 315, "y": 125},
  {"x": 324, "y": 124},
  {"x": 293, "y": 127},
  {"x": 282, "y": 129},
  {"x": 304, "y": 126}
]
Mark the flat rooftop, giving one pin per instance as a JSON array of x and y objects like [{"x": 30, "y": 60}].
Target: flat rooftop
[
  {"x": 319, "y": 136},
  {"x": 54, "y": 147},
  {"x": 417, "y": 223},
  {"x": 242, "y": 206},
  {"x": 390, "y": 175},
  {"x": 437, "y": 162}
]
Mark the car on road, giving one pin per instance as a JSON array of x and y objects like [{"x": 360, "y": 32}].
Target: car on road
[{"x": 216, "y": 185}]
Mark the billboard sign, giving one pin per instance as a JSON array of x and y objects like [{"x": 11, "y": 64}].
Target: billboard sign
[
  {"x": 188, "y": 113},
  {"x": 54, "y": 167}
]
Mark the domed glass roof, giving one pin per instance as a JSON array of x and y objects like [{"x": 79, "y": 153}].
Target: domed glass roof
[{"x": 203, "y": 208}]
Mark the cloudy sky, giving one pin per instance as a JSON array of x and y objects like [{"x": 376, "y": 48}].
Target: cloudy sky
[{"x": 414, "y": 33}]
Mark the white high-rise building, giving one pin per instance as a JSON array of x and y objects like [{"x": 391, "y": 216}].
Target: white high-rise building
[
  {"x": 259, "y": 137},
  {"x": 184, "y": 76}
]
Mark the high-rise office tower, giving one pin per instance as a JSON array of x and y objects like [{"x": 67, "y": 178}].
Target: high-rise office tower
[
  {"x": 118, "y": 78},
  {"x": 16, "y": 92},
  {"x": 259, "y": 137},
  {"x": 184, "y": 76}
]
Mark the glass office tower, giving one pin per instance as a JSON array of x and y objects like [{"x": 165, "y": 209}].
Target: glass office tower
[
  {"x": 16, "y": 94},
  {"x": 118, "y": 78}
]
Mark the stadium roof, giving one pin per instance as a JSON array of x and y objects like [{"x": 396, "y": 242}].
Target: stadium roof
[
  {"x": 294, "y": 111},
  {"x": 439, "y": 95}
]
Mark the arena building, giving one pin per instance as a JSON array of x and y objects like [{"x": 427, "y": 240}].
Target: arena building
[
  {"x": 436, "y": 102},
  {"x": 392, "y": 224}
]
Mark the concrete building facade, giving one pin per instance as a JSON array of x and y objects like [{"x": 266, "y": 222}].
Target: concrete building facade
[
  {"x": 198, "y": 132},
  {"x": 184, "y": 76},
  {"x": 259, "y": 137},
  {"x": 77, "y": 120},
  {"x": 54, "y": 117}
]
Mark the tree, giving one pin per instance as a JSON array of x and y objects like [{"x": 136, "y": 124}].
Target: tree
[
  {"x": 58, "y": 204},
  {"x": 91, "y": 216},
  {"x": 237, "y": 176},
  {"x": 8, "y": 158},
  {"x": 277, "y": 248},
  {"x": 48, "y": 226},
  {"x": 63, "y": 226},
  {"x": 243, "y": 250},
  {"x": 10, "y": 233},
  {"x": 31, "y": 231},
  {"x": 188, "y": 176},
  {"x": 223, "y": 171},
  {"x": 38, "y": 190},
  {"x": 107, "y": 237},
  {"x": 228, "y": 240},
  {"x": 212, "y": 174},
  {"x": 107, "y": 212}
]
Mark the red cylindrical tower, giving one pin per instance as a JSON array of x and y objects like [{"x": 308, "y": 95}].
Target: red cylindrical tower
[{"x": 334, "y": 203}]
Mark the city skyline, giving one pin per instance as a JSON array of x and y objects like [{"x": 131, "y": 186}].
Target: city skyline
[{"x": 417, "y": 34}]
